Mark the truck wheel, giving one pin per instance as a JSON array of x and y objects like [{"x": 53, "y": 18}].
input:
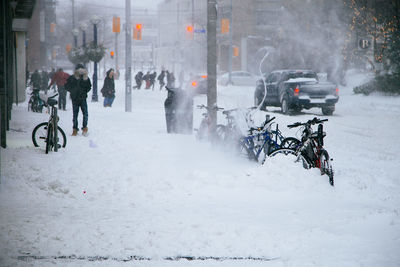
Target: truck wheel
[
  {"x": 285, "y": 105},
  {"x": 328, "y": 110}
]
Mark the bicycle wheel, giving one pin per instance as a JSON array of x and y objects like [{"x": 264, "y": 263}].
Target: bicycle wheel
[
  {"x": 292, "y": 154},
  {"x": 326, "y": 166},
  {"x": 39, "y": 135},
  {"x": 290, "y": 142},
  {"x": 246, "y": 149}
]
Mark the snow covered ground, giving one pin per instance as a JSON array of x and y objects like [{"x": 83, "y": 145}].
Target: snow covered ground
[{"x": 129, "y": 190}]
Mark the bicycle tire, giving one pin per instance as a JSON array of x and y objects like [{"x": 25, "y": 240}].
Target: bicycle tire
[
  {"x": 246, "y": 151},
  {"x": 290, "y": 142},
  {"x": 39, "y": 134},
  {"x": 326, "y": 166},
  {"x": 289, "y": 151}
]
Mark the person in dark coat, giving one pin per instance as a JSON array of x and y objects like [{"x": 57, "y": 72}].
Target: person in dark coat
[
  {"x": 170, "y": 80},
  {"x": 138, "y": 79},
  {"x": 51, "y": 75},
  {"x": 45, "y": 81},
  {"x": 153, "y": 79},
  {"x": 78, "y": 85},
  {"x": 160, "y": 79},
  {"x": 36, "y": 80},
  {"x": 59, "y": 79},
  {"x": 108, "y": 89},
  {"x": 146, "y": 79}
]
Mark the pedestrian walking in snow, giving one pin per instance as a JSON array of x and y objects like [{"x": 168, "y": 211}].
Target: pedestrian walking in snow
[
  {"x": 138, "y": 79},
  {"x": 35, "y": 80},
  {"x": 78, "y": 85},
  {"x": 170, "y": 80},
  {"x": 44, "y": 81},
  {"x": 160, "y": 79},
  {"x": 146, "y": 79},
  {"x": 60, "y": 79},
  {"x": 153, "y": 80},
  {"x": 108, "y": 89},
  {"x": 51, "y": 75}
]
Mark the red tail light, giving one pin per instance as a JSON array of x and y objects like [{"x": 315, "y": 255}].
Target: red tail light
[
  {"x": 296, "y": 91},
  {"x": 337, "y": 92}
]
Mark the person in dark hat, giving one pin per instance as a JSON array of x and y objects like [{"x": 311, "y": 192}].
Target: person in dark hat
[
  {"x": 78, "y": 85},
  {"x": 108, "y": 89}
]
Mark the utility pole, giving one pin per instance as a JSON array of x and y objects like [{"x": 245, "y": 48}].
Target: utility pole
[
  {"x": 212, "y": 62},
  {"x": 128, "y": 57},
  {"x": 73, "y": 24},
  {"x": 230, "y": 44}
]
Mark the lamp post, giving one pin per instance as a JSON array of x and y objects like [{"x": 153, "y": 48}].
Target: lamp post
[
  {"x": 75, "y": 32},
  {"x": 95, "y": 20},
  {"x": 83, "y": 26}
]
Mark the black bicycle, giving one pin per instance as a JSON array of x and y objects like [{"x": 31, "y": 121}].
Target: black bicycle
[
  {"x": 49, "y": 135},
  {"x": 309, "y": 150},
  {"x": 35, "y": 103}
]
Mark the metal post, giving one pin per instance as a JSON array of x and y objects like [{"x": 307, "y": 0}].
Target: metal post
[
  {"x": 128, "y": 57},
  {"x": 73, "y": 23},
  {"x": 230, "y": 44},
  {"x": 212, "y": 61},
  {"x": 94, "y": 95},
  {"x": 116, "y": 51}
]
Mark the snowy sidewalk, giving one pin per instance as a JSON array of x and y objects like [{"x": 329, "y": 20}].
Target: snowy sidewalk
[{"x": 129, "y": 189}]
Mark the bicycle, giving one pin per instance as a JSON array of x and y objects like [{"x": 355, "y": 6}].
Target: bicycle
[
  {"x": 309, "y": 150},
  {"x": 204, "y": 131},
  {"x": 45, "y": 135},
  {"x": 35, "y": 103}
]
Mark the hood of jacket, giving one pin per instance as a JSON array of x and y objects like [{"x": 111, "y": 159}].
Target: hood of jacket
[{"x": 81, "y": 72}]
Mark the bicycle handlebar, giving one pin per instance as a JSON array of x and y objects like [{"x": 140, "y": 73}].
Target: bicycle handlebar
[
  {"x": 309, "y": 123},
  {"x": 208, "y": 109}
]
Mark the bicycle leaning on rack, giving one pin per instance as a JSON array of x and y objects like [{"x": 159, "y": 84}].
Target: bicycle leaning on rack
[
  {"x": 310, "y": 149},
  {"x": 204, "y": 131},
  {"x": 49, "y": 135}
]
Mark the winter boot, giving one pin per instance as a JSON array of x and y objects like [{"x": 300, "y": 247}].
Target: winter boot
[
  {"x": 85, "y": 131},
  {"x": 74, "y": 132}
]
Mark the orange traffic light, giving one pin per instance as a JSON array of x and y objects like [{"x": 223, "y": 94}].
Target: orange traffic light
[
  {"x": 116, "y": 24},
  {"x": 112, "y": 54},
  {"x": 189, "y": 28},
  {"x": 137, "y": 32},
  {"x": 224, "y": 26},
  {"x": 68, "y": 48}
]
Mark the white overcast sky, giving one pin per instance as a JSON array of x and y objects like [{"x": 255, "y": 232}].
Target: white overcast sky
[{"x": 150, "y": 4}]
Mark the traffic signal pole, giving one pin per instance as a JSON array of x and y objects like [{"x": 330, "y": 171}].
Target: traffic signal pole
[
  {"x": 212, "y": 62},
  {"x": 128, "y": 57},
  {"x": 230, "y": 52}
]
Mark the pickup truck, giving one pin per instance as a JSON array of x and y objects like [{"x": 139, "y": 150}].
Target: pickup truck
[{"x": 293, "y": 90}]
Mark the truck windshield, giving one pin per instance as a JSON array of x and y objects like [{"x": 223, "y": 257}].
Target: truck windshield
[{"x": 302, "y": 75}]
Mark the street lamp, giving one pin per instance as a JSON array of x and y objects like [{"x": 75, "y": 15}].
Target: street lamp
[
  {"x": 83, "y": 26},
  {"x": 95, "y": 20},
  {"x": 75, "y": 33}
]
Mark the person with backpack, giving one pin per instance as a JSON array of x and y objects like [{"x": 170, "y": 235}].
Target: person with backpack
[
  {"x": 108, "y": 89},
  {"x": 78, "y": 85}
]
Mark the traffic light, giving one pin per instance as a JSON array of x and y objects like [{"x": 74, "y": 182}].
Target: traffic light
[
  {"x": 112, "y": 54},
  {"x": 137, "y": 32},
  {"x": 68, "y": 48},
  {"x": 224, "y": 26},
  {"x": 189, "y": 31},
  {"x": 116, "y": 24},
  {"x": 235, "y": 51}
]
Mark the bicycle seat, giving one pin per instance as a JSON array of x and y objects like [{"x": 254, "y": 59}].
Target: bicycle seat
[{"x": 52, "y": 102}]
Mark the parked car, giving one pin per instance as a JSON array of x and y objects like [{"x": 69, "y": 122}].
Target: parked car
[
  {"x": 293, "y": 90},
  {"x": 197, "y": 84},
  {"x": 238, "y": 78}
]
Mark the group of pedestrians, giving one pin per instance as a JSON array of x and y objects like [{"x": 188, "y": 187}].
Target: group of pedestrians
[{"x": 164, "y": 78}]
